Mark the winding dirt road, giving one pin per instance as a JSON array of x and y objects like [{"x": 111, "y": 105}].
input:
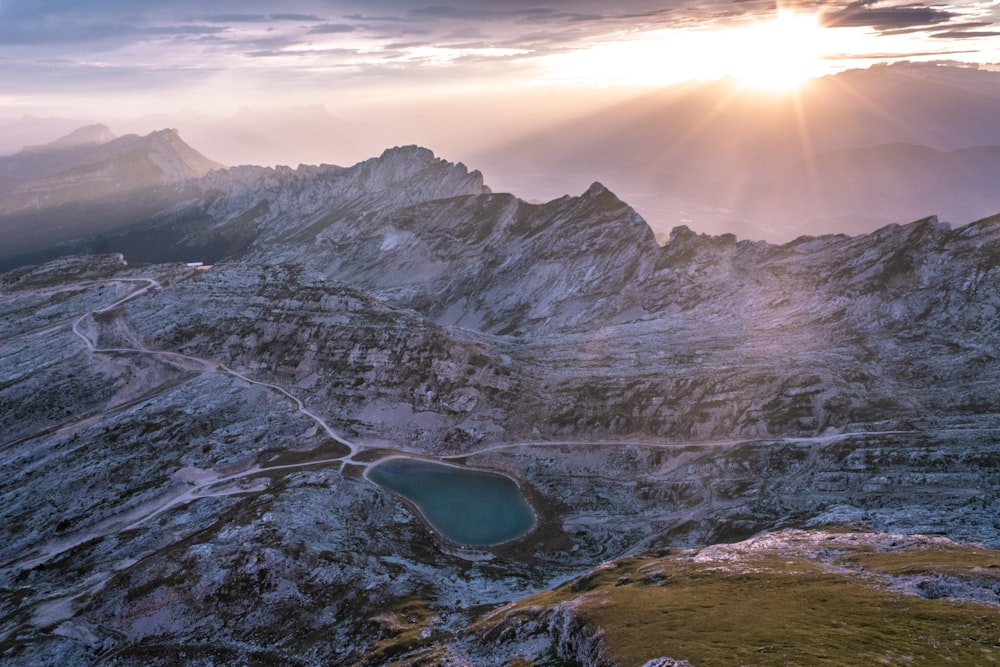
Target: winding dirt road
[{"x": 203, "y": 485}]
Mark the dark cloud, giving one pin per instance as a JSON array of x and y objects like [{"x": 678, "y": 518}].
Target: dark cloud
[
  {"x": 394, "y": 32},
  {"x": 330, "y": 28},
  {"x": 22, "y": 34},
  {"x": 952, "y": 26},
  {"x": 256, "y": 18},
  {"x": 446, "y": 12},
  {"x": 234, "y": 18},
  {"x": 399, "y": 47},
  {"x": 269, "y": 42},
  {"x": 183, "y": 30},
  {"x": 541, "y": 40},
  {"x": 471, "y": 32},
  {"x": 868, "y": 14},
  {"x": 294, "y": 17},
  {"x": 277, "y": 53},
  {"x": 896, "y": 57},
  {"x": 503, "y": 12},
  {"x": 969, "y": 34},
  {"x": 471, "y": 45},
  {"x": 361, "y": 17},
  {"x": 968, "y": 25}
]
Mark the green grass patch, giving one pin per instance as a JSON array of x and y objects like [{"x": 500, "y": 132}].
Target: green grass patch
[
  {"x": 772, "y": 618},
  {"x": 772, "y": 609},
  {"x": 951, "y": 559},
  {"x": 405, "y": 629}
]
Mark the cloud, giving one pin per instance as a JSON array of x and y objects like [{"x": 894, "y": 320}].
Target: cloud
[
  {"x": 485, "y": 41},
  {"x": 504, "y": 12},
  {"x": 393, "y": 49},
  {"x": 395, "y": 32},
  {"x": 868, "y": 14},
  {"x": 439, "y": 12},
  {"x": 470, "y": 32},
  {"x": 256, "y": 18},
  {"x": 362, "y": 17},
  {"x": 183, "y": 30},
  {"x": 22, "y": 34},
  {"x": 294, "y": 17},
  {"x": 233, "y": 18},
  {"x": 331, "y": 28},
  {"x": 963, "y": 34},
  {"x": 300, "y": 53},
  {"x": 896, "y": 56},
  {"x": 63, "y": 75}
]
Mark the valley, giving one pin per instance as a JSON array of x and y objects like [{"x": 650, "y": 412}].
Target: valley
[{"x": 186, "y": 447}]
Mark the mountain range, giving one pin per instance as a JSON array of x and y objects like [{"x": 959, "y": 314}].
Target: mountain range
[
  {"x": 90, "y": 181},
  {"x": 704, "y": 428},
  {"x": 826, "y": 159},
  {"x": 714, "y": 156}
]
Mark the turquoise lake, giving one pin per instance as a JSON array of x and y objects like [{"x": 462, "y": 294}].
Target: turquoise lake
[{"x": 469, "y": 507}]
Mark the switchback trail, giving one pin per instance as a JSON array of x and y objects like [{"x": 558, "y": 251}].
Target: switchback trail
[
  {"x": 202, "y": 484},
  {"x": 208, "y": 365},
  {"x": 205, "y": 485}
]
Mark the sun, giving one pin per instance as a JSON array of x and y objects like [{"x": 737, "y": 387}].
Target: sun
[{"x": 777, "y": 54}]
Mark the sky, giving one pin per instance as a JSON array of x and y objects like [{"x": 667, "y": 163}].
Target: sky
[{"x": 87, "y": 57}]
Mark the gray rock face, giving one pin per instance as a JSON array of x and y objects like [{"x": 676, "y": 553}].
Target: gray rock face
[
  {"x": 574, "y": 641},
  {"x": 181, "y": 465}
]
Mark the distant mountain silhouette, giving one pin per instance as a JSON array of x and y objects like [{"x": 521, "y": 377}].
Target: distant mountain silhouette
[
  {"x": 706, "y": 154},
  {"x": 89, "y": 135},
  {"x": 893, "y": 182},
  {"x": 91, "y": 162},
  {"x": 80, "y": 185},
  {"x": 30, "y": 130}
]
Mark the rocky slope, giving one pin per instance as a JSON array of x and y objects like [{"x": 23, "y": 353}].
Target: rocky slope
[{"x": 183, "y": 446}]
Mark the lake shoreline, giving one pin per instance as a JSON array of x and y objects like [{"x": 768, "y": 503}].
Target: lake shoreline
[{"x": 450, "y": 544}]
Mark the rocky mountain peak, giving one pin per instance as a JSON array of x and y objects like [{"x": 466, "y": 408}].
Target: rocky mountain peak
[
  {"x": 599, "y": 197},
  {"x": 684, "y": 244},
  {"x": 176, "y": 160},
  {"x": 680, "y": 233},
  {"x": 170, "y": 134},
  {"x": 684, "y": 234},
  {"x": 414, "y": 169},
  {"x": 596, "y": 189},
  {"x": 408, "y": 153}
]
